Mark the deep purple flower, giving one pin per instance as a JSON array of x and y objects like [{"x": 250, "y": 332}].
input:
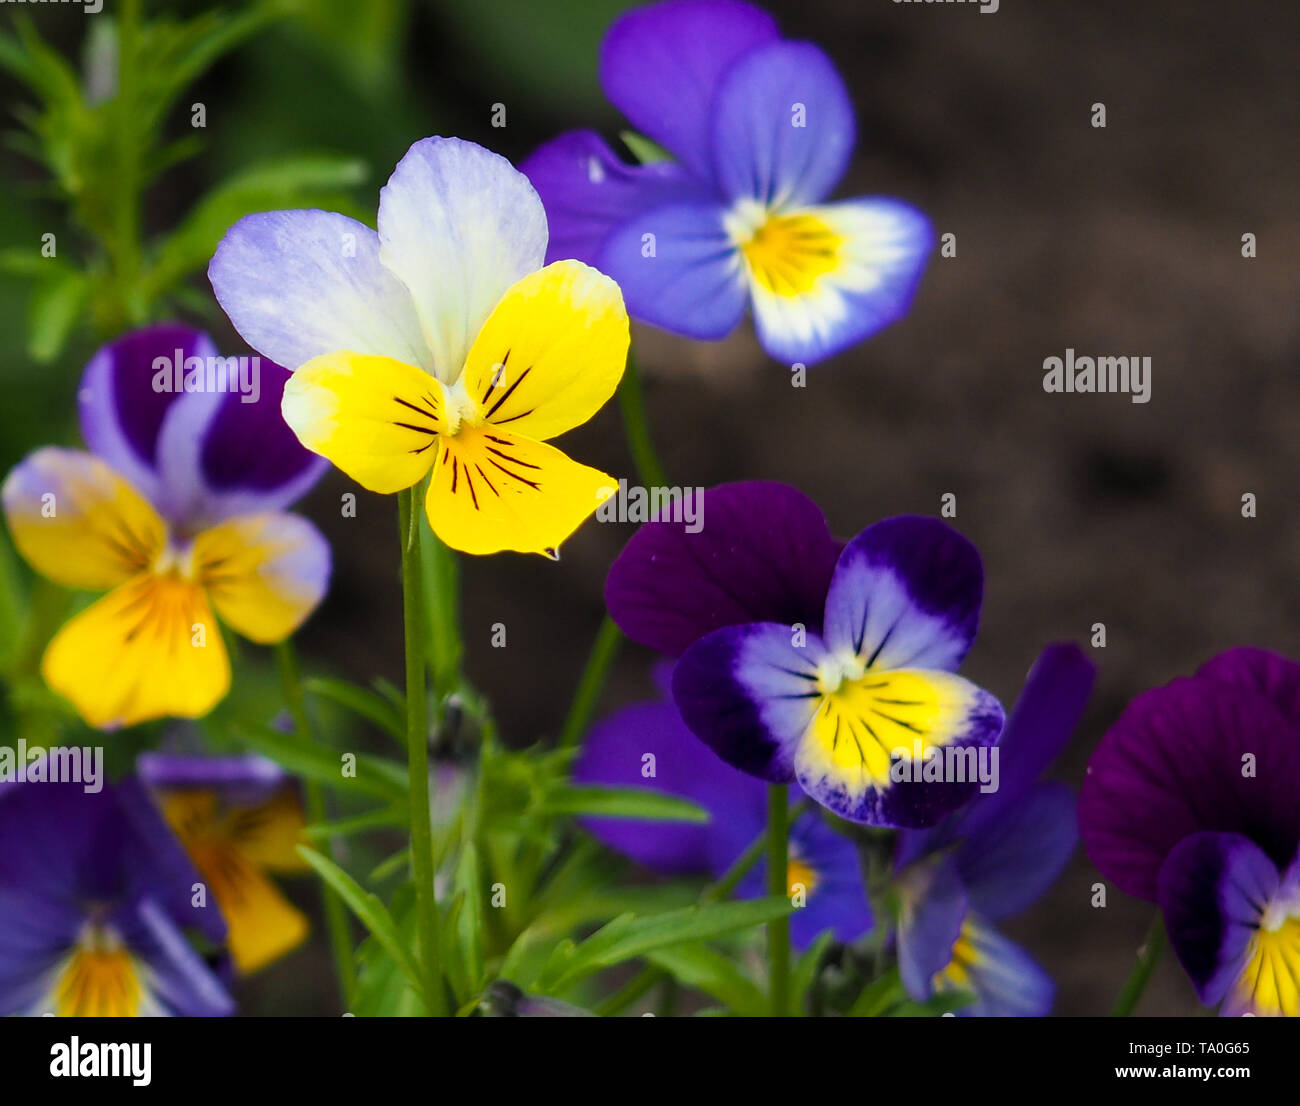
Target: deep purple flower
[
  {"x": 762, "y": 131},
  {"x": 651, "y": 736},
  {"x": 95, "y": 898},
  {"x": 995, "y": 856},
  {"x": 177, "y": 512},
  {"x": 1192, "y": 800}
]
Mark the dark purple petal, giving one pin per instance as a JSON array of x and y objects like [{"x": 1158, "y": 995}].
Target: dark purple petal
[
  {"x": 679, "y": 269},
  {"x": 763, "y": 554},
  {"x": 933, "y": 909},
  {"x": 1275, "y": 676},
  {"x": 121, "y": 412},
  {"x": 615, "y": 754},
  {"x": 588, "y": 192},
  {"x": 36, "y": 933},
  {"x": 782, "y": 126},
  {"x": 1213, "y": 888},
  {"x": 1007, "y": 863},
  {"x": 906, "y": 594},
  {"x": 660, "y": 66},
  {"x": 749, "y": 694},
  {"x": 1197, "y": 754}
]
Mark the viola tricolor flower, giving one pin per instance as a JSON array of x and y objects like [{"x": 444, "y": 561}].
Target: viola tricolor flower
[
  {"x": 823, "y": 870},
  {"x": 995, "y": 857},
  {"x": 439, "y": 343},
  {"x": 762, "y": 131},
  {"x": 178, "y": 509},
  {"x": 239, "y": 818},
  {"x": 94, "y": 905},
  {"x": 1191, "y": 801}
]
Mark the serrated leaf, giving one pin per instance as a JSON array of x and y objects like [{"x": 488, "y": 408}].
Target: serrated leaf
[{"x": 623, "y": 802}]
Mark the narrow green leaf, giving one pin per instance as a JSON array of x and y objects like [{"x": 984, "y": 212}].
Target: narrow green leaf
[
  {"x": 361, "y": 701},
  {"x": 878, "y": 996},
  {"x": 375, "y": 776},
  {"x": 646, "y": 151},
  {"x": 623, "y": 802},
  {"x": 56, "y": 306},
  {"x": 806, "y": 971},
  {"x": 704, "y": 968}
]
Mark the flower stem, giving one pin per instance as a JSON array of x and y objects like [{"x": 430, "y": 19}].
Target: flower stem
[
  {"x": 1148, "y": 956},
  {"x": 336, "y": 917},
  {"x": 417, "y": 740},
  {"x": 603, "y": 651},
  {"x": 636, "y": 427},
  {"x": 778, "y": 930}
]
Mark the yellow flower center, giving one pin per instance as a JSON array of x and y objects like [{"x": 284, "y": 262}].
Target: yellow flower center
[
  {"x": 787, "y": 254},
  {"x": 1271, "y": 981},
  {"x": 100, "y": 980},
  {"x": 800, "y": 876}
]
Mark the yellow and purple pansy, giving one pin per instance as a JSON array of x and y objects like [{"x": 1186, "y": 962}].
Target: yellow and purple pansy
[
  {"x": 94, "y": 908},
  {"x": 1190, "y": 802},
  {"x": 439, "y": 344},
  {"x": 178, "y": 512},
  {"x": 824, "y": 874},
  {"x": 762, "y": 130},
  {"x": 239, "y": 819},
  {"x": 995, "y": 857}
]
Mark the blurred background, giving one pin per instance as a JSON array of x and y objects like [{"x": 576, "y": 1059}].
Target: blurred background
[{"x": 1087, "y": 508}]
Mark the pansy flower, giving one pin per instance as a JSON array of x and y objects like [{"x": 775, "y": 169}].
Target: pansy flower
[
  {"x": 178, "y": 512},
  {"x": 95, "y": 901},
  {"x": 437, "y": 344},
  {"x": 1192, "y": 800},
  {"x": 761, "y": 130},
  {"x": 862, "y": 712},
  {"x": 823, "y": 869},
  {"x": 995, "y": 857},
  {"x": 239, "y": 818}
]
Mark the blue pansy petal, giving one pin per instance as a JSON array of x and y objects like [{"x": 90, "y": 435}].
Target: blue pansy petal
[
  {"x": 881, "y": 251},
  {"x": 750, "y": 693},
  {"x": 36, "y": 933},
  {"x": 934, "y": 906},
  {"x": 782, "y": 126},
  {"x": 1006, "y": 981},
  {"x": 906, "y": 594},
  {"x": 660, "y": 66},
  {"x": 1007, "y": 863},
  {"x": 837, "y": 899},
  {"x": 178, "y": 980},
  {"x": 1213, "y": 888},
  {"x": 614, "y": 755},
  {"x": 122, "y": 413},
  {"x": 679, "y": 270},
  {"x": 588, "y": 192},
  {"x": 298, "y": 284}
]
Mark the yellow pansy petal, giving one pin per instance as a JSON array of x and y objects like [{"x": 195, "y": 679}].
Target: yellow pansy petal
[
  {"x": 148, "y": 649},
  {"x": 373, "y": 417},
  {"x": 551, "y": 353},
  {"x": 492, "y": 491},
  {"x": 78, "y": 522},
  {"x": 98, "y": 983},
  {"x": 264, "y": 573},
  {"x": 269, "y": 834}
]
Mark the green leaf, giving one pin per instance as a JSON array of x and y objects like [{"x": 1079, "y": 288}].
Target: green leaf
[
  {"x": 628, "y": 937},
  {"x": 303, "y": 181},
  {"x": 370, "y": 911},
  {"x": 878, "y": 996},
  {"x": 385, "y": 779},
  {"x": 362, "y": 823},
  {"x": 934, "y": 1007},
  {"x": 470, "y": 926},
  {"x": 806, "y": 971},
  {"x": 704, "y": 968},
  {"x": 55, "y": 308},
  {"x": 360, "y": 701},
  {"x": 643, "y": 149},
  {"x": 623, "y": 802}
]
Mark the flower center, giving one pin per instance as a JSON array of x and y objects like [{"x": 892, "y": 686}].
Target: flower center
[
  {"x": 835, "y": 671},
  {"x": 786, "y": 254},
  {"x": 800, "y": 876},
  {"x": 100, "y": 980}
]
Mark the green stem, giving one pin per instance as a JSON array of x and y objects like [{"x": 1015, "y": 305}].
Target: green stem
[
  {"x": 1148, "y": 955},
  {"x": 417, "y": 741},
  {"x": 722, "y": 889},
  {"x": 601, "y": 659},
  {"x": 124, "y": 250},
  {"x": 636, "y": 427},
  {"x": 441, "y": 580},
  {"x": 336, "y": 917},
  {"x": 778, "y": 884}
]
